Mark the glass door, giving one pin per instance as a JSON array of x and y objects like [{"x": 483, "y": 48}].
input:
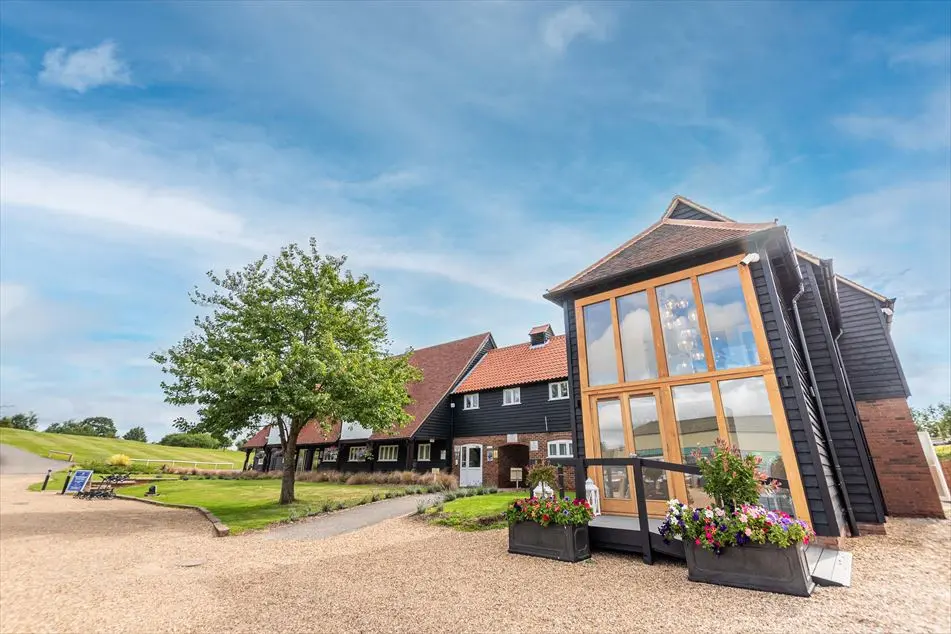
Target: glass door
[{"x": 625, "y": 425}]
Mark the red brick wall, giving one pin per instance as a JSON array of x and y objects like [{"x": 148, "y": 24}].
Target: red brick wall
[
  {"x": 490, "y": 470},
  {"x": 900, "y": 462}
]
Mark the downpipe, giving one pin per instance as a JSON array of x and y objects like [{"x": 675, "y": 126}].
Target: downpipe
[{"x": 827, "y": 435}]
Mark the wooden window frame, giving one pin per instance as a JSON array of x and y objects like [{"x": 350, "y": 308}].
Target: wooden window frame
[
  {"x": 516, "y": 391},
  {"x": 560, "y": 390},
  {"x": 362, "y": 458},
  {"x": 419, "y": 452},
  {"x": 396, "y": 453},
  {"x": 325, "y": 454},
  {"x": 469, "y": 399},
  {"x": 571, "y": 451},
  {"x": 664, "y": 382}
]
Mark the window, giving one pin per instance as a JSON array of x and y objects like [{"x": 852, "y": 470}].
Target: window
[
  {"x": 728, "y": 321},
  {"x": 557, "y": 391},
  {"x": 512, "y": 396},
  {"x": 388, "y": 453},
  {"x": 698, "y": 430},
  {"x": 680, "y": 323},
  {"x": 357, "y": 454},
  {"x": 599, "y": 344},
  {"x": 329, "y": 454},
  {"x": 637, "y": 337},
  {"x": 611, "y": 434},
  {"x": 423, "y": 452},
  {"x": 559, "y": 449},
  {"x": 470, "y": 401}
]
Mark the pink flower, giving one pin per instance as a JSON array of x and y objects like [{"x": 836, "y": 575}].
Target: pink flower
[
  {"x": 748, "y": 532},
  {"x": 697, "y": 542}
]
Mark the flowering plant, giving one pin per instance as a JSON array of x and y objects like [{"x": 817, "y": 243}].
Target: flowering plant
[
  {"x": 714, "y": 528},
  {"x": 545, "y": 511},
  {"x": 731, "y": 478}
]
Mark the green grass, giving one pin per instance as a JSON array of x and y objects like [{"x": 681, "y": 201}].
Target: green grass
[
  {"x": 91, "y": 448},
  {"x": 58, "y": 477},
  {"x": 479, "y": 512},
  {"x": 943, "y": 451},
  {"x": 250, "y": 504}
]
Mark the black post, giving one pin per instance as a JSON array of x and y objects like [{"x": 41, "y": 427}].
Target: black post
[
  {"x": 46, "y": 479},
  {"x": 69, "y": 476},
  {"x": 247, "y": 456},
  {"x": 642, "y": 511},
  {"x": 561, "y": 481}
]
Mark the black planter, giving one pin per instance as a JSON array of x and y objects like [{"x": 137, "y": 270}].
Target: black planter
[
  {"x": 753, "y": 566},
  {"x": 564, "y": 543}
]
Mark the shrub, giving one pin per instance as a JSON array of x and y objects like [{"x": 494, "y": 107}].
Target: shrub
[
  {"x": 421, "y": 508},
  {"x": 105, "y": 468},
  {"x": 196, "y": 441},
  {"x": 546, "y": 511},
  {"x": 730, "y": 478},
  {"x": 449, "y": 497},
  {"x": 493, "y": 490},
  {"x": 119, "y": 460},
  {"x": 542, "y": 472}
]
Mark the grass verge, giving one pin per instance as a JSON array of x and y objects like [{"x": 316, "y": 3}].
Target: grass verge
[
  {"x": 250, "y": 504},
  {"x": 476, "y": 513}
]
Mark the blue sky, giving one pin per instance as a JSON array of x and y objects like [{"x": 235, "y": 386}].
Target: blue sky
[{"x": 467, "y": 156}]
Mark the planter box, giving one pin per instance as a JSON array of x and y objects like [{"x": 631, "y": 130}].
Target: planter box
[
  {"x": 564, "y": 543},
  {"x": 753, "y": 566}
]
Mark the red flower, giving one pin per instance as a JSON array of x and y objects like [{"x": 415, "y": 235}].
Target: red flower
[{"x": 545, "y": 517}]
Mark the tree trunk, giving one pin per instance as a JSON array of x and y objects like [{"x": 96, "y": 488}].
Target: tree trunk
[{"x": 290, "y": 466}]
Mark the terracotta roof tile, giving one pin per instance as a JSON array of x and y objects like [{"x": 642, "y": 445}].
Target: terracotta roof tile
[
  {"x": 537, "y": 330},
  {"x": 259, "y": 439},
  {"x": 518, "y": 365}
]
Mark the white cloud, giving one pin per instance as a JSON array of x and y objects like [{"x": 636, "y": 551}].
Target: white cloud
[
  {"x": 12, "y": 297},
  {"x": 928, "y": 130},
  {"x": 561, "y": 28},
  {"x": 85, "y": 68},
  {"x": 927, "y": 53}
]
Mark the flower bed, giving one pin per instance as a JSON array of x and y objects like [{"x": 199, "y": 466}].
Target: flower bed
[{"x": 714, "y": 529}]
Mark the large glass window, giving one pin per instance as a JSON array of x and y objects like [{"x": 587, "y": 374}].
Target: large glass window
[
  {"x": 697, "y": 427},
  {"x": 637, "y": 340},
  {"x": 728, "y": 321},
  {"x": 649, "y": 444},
  {"x": 682, "y": 339},
  {"x": 611, "y": 434},
  {"x": 599, "y": 344}
]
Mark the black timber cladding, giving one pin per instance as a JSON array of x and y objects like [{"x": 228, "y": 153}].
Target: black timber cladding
[
  {"x": 684, "y": 211},
  {"x": 868, "y": 352},
  {"x": 846, "y": 437},
  {"x": 815, "y": 465},
  {"x": 535, "y": 414}
]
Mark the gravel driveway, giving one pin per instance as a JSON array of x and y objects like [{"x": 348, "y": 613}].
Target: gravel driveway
[{"x": 113, "y": 566}]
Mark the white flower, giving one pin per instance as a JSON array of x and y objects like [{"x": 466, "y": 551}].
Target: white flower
[
  {"x": 674, "y": 503},
  {"x": 720, "y": 513},
  {"x": 743, "y": 517},
  {"x": 708, "y": 513}
]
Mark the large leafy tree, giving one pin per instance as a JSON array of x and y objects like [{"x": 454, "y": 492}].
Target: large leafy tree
[
  {"x": 20, "y": 421},
  {"x": 136, "y": 433},
  {"x": 92, "y": 426},
  {"x": 934, "y": 419},
  {"x": 287, "y": 341}
]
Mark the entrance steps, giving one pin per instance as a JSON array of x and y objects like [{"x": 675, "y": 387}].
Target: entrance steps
[{"x": 829, "y": 567}]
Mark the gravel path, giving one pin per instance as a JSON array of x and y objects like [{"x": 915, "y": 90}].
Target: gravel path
[
  {"x": 15, "y": 460},
  {"x": 402, "y": 575},
  {"x": 350, "y": 519}
]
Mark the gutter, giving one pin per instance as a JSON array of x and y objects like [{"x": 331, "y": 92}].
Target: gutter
[{"x": 826, "y": 434}]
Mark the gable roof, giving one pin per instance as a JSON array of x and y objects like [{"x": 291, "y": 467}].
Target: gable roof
[
  {"x": 664, "y": 240},
  {"x": 518, "y": 365},
  {"x": 442, "y": 367},
  {"x": 313, "y": 433}
]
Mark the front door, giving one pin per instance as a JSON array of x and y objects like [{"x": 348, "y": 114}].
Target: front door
[
  {"x": 470, "y": 466},
  {"x": 627, "y": 424}
]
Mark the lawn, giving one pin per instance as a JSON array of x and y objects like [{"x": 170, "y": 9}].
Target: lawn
[
  {"x": 92, "y": 448},
  {"x": 250, "y": 504},
  {"x": 479, "y": 512},
  {"x": 943, "y": 451}
]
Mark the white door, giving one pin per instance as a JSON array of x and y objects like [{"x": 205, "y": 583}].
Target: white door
[{"x": 470, "y": 466}]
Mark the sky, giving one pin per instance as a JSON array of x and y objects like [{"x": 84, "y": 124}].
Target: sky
[{"x": 467, "y": 156}]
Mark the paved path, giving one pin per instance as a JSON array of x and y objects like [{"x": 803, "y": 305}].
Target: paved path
[
  {"x": 14, "y": 460},
  {"x": 351, "y": 519}
]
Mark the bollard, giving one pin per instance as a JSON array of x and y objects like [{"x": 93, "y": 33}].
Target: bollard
[
  {"x": 69, "y": 475},
  {"x": 46, "y": 480}
]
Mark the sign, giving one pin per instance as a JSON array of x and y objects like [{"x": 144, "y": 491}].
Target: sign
[
  {"x": 533, "y": 445},
  {"x": 511, "y": 438},
  {"x": 515, "y": 474},
  {"x": 80, "y": 479}
]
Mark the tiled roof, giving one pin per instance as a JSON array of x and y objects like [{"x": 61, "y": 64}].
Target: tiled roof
[
  {"x": 518, "y": 365},
  {"x": 442, "y": 366},
  {"x": 259, "y": 439},
  {"x": 312, "y": 434},
  {"x": 662, "y": 241},
  {"x": 537, "y": 330}
]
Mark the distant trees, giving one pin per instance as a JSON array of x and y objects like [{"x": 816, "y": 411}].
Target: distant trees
[
  {"x": 934, "y": 419},
  {"x": 101, "y": 426},
  {"x": 197, "y": 441},
  {"x": 136, "y": 433},
  {"x": 20, "y": 421}
]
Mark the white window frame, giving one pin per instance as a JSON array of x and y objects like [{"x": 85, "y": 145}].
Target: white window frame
[
  {"x": 470, "y": 401},
  {"x": 515, "y": 392},
  {"x": 362, "y": 458},
  {"x": 558, "y": 443},
  {"x": 329, "y": 454},
  {"x": 387, "y": 449},
  {"x": 561, "y": 387},
  {"x": 419, "y": 452}
]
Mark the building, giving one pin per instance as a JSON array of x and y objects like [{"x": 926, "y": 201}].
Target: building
[
  {"x": 511, "y": 410},
  {"x": 421, "y": 445},
  {"x": 701, "y": 327}
]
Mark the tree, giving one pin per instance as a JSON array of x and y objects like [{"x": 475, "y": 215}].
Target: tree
[
  {"x": 934, "y": 419},
  {"x": 200, "y": 441},
  {"x": 20, "y": 421},
  {"x": 288, "y": 341},
  {"x": 92, "y": 426},
  {"x": 136, "y": 433}
]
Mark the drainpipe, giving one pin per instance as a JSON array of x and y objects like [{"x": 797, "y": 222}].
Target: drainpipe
[{"x": 827, "y": 435}]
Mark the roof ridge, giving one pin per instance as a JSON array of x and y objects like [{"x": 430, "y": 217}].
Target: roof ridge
[
  {"x": 446, "y": 343},
  {"x": 718, "y": 224},
  {"x": 523, "y": 343},
  {"x": 864, "y": 289},
  {"x": 683, "y": 199}
]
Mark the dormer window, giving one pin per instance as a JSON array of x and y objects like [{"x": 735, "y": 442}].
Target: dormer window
[{"x": 539, "y": 335}]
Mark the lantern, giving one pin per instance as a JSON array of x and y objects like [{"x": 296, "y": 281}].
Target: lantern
[{"x": 593, "y": 496}]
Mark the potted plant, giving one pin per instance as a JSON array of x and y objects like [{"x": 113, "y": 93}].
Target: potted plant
[
  {"x": 549, "y": 527},
  {"x": 736, "y": 542}
]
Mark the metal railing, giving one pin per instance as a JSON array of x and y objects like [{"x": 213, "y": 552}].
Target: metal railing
[{"x": 639, "y": 465}]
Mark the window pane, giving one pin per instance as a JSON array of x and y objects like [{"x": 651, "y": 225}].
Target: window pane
[
  {"x": 475, "y": 457},
  {"x": 697, "y": 426},
  {"x": 731, "y": 335},
  {"x": 637, "y": 340},
  {"x": 648, "y": 444},
  {"x": 611, "y": 432},
  {"x": 599, "y": 344},
  {"x": 616, "y": 483},
  {"x": 678, "y": 318}
]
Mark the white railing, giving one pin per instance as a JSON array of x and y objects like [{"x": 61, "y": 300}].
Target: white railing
[{"x": 192, "y": 463}]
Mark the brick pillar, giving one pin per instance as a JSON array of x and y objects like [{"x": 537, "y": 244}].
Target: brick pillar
[{"x": 903, "y": 472}]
